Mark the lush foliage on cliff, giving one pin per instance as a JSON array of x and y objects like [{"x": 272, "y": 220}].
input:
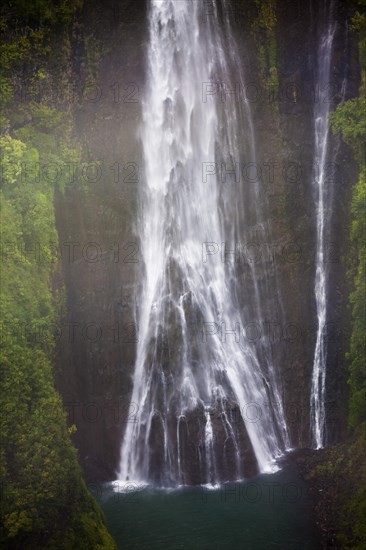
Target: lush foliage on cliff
[
  {"x": 264, "y": 34},
  {"x": 350, "y": 119},
  {"x": 339, "y": 476},
  {"x": 344, "y": 465},
  {"x": 45, "y": 503}
]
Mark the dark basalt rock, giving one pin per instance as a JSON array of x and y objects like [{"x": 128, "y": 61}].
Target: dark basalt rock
[{"x": 95, "y": 371}]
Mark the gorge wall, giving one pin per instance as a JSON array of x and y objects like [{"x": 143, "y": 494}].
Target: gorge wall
[{"x": 96, "y": 217}]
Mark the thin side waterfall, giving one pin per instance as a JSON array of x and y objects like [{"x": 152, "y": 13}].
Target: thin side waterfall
[
  {"x": 209, "y": 406},
  {"x": 321, "y": 157}
]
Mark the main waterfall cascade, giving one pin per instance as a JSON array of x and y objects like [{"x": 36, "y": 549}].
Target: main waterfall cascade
[
  {"x": 321, "y": 158},
  {"x": 206, "y": 404}
]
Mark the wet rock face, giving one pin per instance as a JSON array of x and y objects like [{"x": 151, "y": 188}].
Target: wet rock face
[
  {"x": 98, "y": 340},
  {"x": 233, "y": 459},
  {"x": 297, "y": 64},
  {"x": 102, "y": 271}
]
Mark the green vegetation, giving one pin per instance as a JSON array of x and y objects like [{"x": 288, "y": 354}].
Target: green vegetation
[
  {"x": 353, "y": 468},
  {"x": 350, "y": 119},
  {"x": 341, "y": 471},
  {"x": 45, "y": 502},
  {"x": 264, "y": 34},
  {"x": 340, "y": 479}
]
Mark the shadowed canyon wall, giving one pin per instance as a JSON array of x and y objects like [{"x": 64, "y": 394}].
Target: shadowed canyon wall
[{"x": 96, "y": 217}]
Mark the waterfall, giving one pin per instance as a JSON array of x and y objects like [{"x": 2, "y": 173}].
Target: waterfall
[
  {"x": 321, "y": 157},
  {"x": 197, "y": 373}
]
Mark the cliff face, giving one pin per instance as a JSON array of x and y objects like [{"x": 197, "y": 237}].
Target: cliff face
[
  {"x": 297, "y": 36},
  {"x": 96, "y": 364},
  {"x": 96, "y": 218}
]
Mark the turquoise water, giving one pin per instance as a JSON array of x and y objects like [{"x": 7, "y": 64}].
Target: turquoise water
[{"x": 269, "y": 511}]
